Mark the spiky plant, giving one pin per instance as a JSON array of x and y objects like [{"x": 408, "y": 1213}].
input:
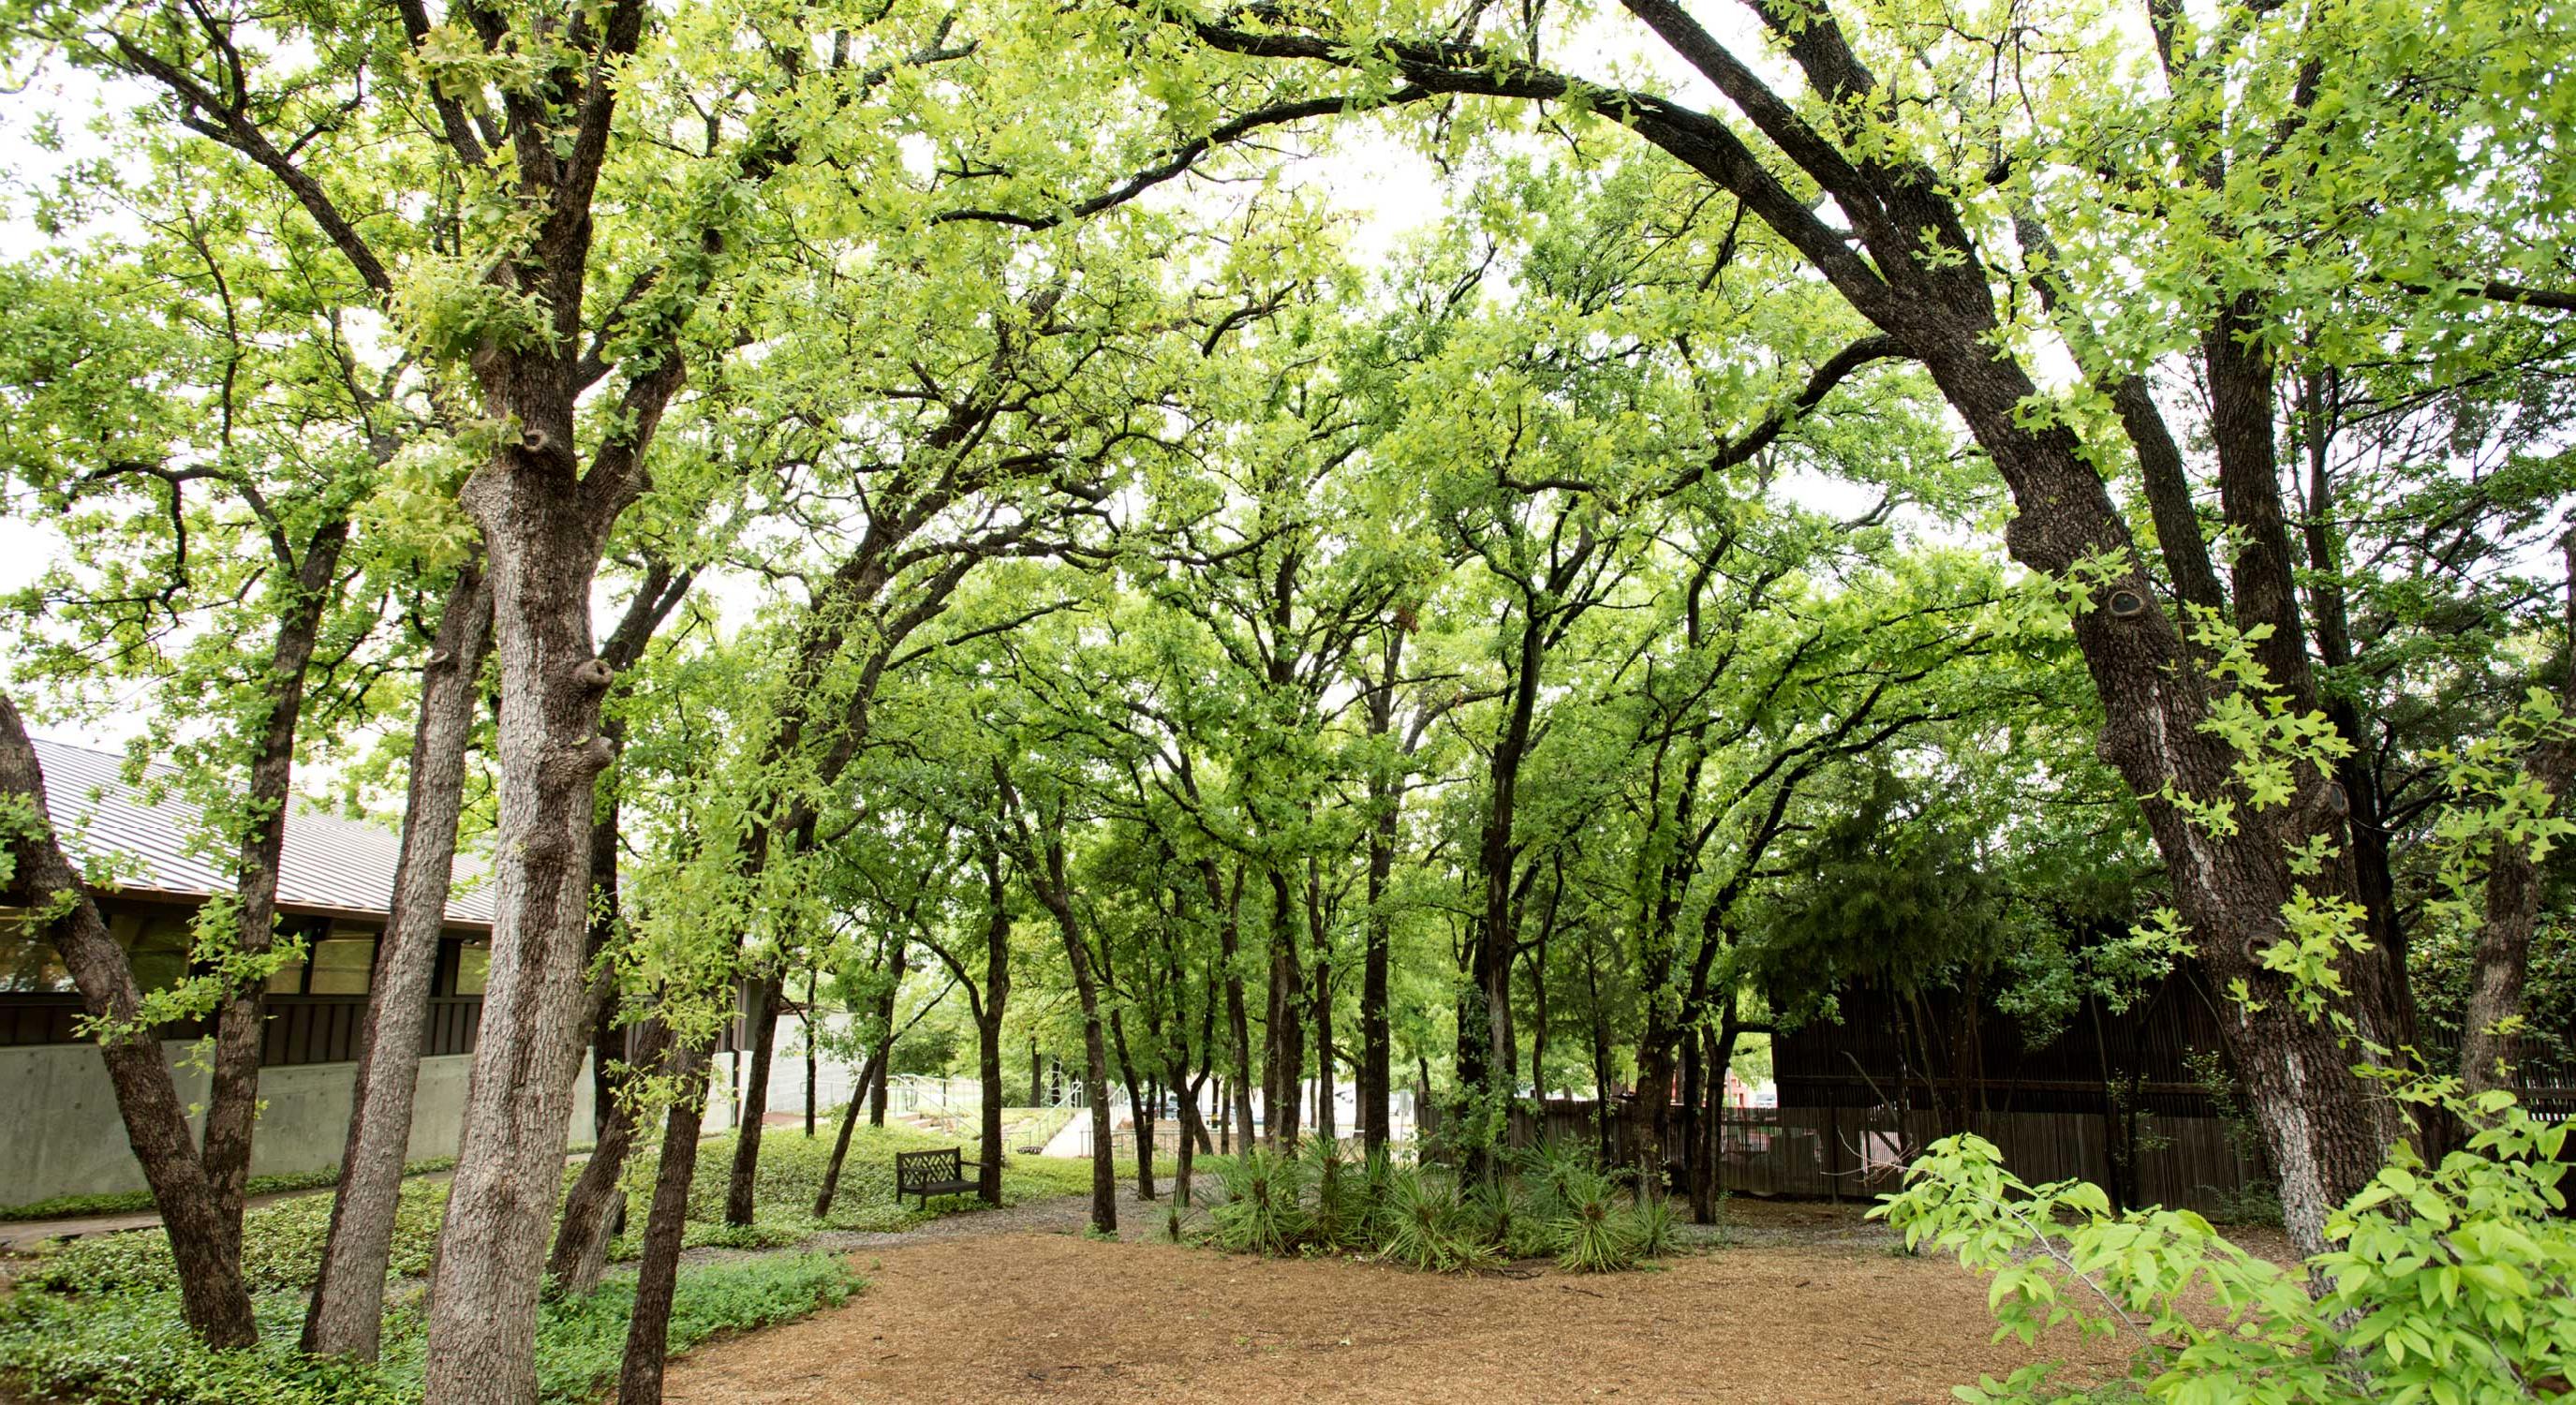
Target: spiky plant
[
  {"x": 1425, "y": 1224},
  {"x": 1263, "y": 1211},
  {"x": 1338, "y": 1215},
  {"x": 1652, "y": 1223},
  {"x": 1598, "y": 1234}
]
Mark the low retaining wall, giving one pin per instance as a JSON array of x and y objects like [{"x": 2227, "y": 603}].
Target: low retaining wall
[{"x": 60, "y": 1133}]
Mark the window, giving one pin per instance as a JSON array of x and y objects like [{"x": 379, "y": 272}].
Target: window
[
  {"x": 287, "y": 980},
  {"x": 28, "y": 963},
  {"x": 473, "y": 963},
  {"x": 342, "y": 962},
  {"x": 156, "y": 944}
]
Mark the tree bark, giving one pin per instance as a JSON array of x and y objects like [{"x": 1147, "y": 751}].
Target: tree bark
[
  {"x": 1227, "y": 902},
  {"x": 590, "y": 1213},
  {"x": 232, "y": 1091},
  {"x": 763, "y": 1023},
  {"x": 346, "y": 1315},
  {"x": 212, "y": 1296},
  {"x": 1318, "y": 932},
  {"x": 543, "y": 534},
  {"x": 988, "y": 1028},
  {"x": 841, "y": 1142},
  {"x": 648, "y": 1328},
  {"x": 1283, "y": 1063}
]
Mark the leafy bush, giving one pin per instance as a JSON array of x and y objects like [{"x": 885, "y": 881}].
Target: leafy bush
[
  {"x": 1557, "y": 1204},
  {"x": 2450, "y": 1283},
  {"x": 134, "y": 1348}
]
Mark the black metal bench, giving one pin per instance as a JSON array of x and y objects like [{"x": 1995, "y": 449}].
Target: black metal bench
[{"x": 929, "y": 1173}]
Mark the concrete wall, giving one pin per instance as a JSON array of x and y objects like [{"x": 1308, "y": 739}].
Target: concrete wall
[{"x": 60, "y": 1133}]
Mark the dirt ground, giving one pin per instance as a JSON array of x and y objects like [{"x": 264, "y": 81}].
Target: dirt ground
[{"x": 1806, "y": 1304}]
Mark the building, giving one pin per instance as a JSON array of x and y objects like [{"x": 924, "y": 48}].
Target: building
[{"x": 335, "y": 883}]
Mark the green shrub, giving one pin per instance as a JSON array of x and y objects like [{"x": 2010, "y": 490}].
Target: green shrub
[
  {"x": 1653, "y": 1223},
  {"x": 1427, "y": 1224},
  {"x": 1597, "y": 1233},
  {"x": 1557, "y": 1204},
  {"x": 2448, "y": 1283},
  {"x": 1261, "y": 1212}
]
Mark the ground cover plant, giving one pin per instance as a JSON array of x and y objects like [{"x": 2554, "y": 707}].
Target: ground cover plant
[
  {"x": 131, "y": 1346},
  {"x": 64, "y": 1207},
  {"x": 1554, "y": 1201}
]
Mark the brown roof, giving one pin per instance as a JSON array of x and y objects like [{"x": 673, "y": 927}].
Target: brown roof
[{"x": 331, "y": 864}]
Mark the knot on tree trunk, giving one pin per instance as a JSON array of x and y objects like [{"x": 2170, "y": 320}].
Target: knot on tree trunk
[
  {"x": 581, "y": 762},
  {"x": 594, "y": 674}
]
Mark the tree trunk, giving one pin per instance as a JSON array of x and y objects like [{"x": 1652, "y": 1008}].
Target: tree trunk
[
  {"x": 2488, "y": 1046},
  {"x": 1283, "y": 1064},
  {"x": 542, "y": 534},
  {"x": 648, "y": 1328},
  {"x": 1377, "y": 1031},
  {"x": 347, "y": 1310},
  {"x": 763, "y": 1021},
  {"x": 1227, "y": 903},
  {"x": 232, "y": 1087},
  {"x": 988, "y": 1029},
  {"x": 884, "y": 1072},
  {"x": 591, "y": 1209},
  {"x": 1319, "y": 935},
  {"x": 841, "y": 1142},
  {"x": 212, "y": 1296},
  {"x": 813, "y": 1068}
]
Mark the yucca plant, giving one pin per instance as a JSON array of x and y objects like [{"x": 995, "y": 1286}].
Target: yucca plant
[
  {"x": 1652, "y": 1223},
  {"x": 1598, "y": 1235},
  {"x": 1262, "y": 1213},
  {"x": 1339, "y": 1217},
  {"x": 1375, "y": 1177},
  {"x": 1425, "y": 1224}
]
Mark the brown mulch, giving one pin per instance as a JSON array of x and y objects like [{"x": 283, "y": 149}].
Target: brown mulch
[{"x": 1815, "y": 1318}]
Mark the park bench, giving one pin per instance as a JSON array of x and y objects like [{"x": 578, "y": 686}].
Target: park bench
[{"x": 929, "y": 1173}]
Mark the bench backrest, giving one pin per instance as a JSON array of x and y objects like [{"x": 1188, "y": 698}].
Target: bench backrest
[{"x": 912, "y": 1168}]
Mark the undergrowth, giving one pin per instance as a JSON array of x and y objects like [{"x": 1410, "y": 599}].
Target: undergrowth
[
  {"x": 1554, "y": 1202},
  {"x": 132, "y": 1347}
]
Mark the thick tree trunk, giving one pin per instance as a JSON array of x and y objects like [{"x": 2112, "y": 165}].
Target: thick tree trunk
[
  {"x": 212, "y": 1296},
  {"x": 347, "y": 1310},
  {"x": 542, "y": 535},
  {"x": 764, "y": 992},
  {"x": 648, "y": 1329},
  {"x": 988, "y": 1172}
]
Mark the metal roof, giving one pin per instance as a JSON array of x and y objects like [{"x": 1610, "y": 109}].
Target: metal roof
[{"x": 330, "y": 865}]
